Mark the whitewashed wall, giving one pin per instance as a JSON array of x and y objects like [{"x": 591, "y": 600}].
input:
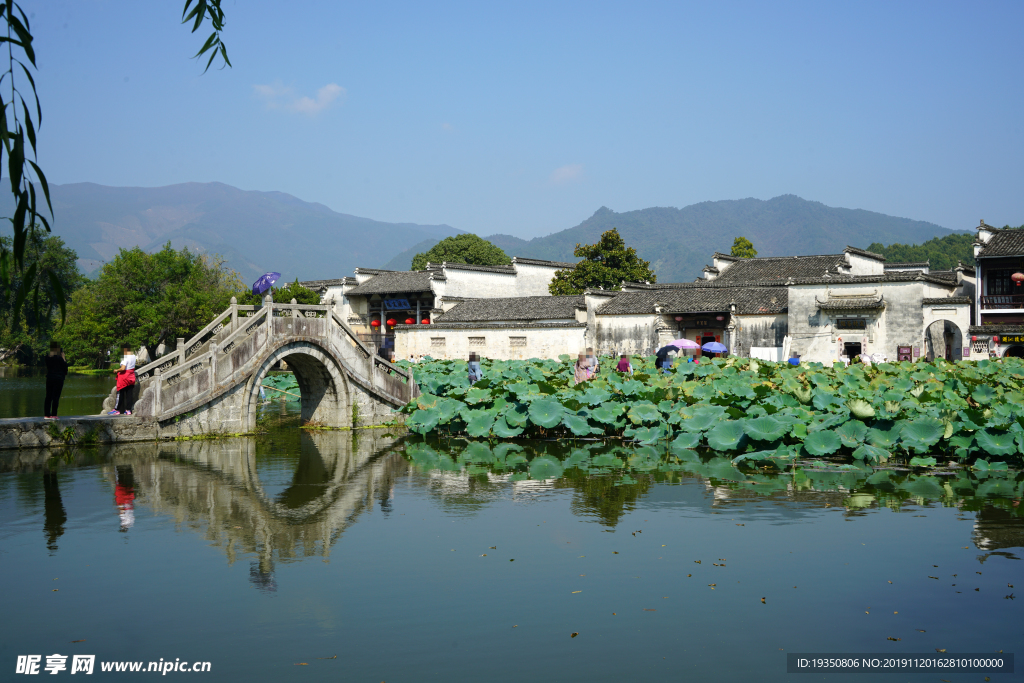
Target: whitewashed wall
[
  {"x": 533, "y": 280},
  {"x": 479, "y": 284},
  {"x": 632, "y": 334},
  {"x": 498, "y": 343}
]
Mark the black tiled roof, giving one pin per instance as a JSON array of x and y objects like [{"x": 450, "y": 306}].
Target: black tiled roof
[
  {"x": 892, "y": 276},
  {"x": 507, "y": 270},
  {"x": 864, "y": 252},
  {"x": 748, "y": 300},
  {"x": 514, "y": 308},
  {"x": 541, "y": 262},
  {"x": 852, "y": 303},
  {"x": 914, "y": 264},
  {"x": 322, "y": 285},
  {"x": 989, "y": 330},
  {"x": 1003, "y": 243},
  {"x": 394, "y": 281},
  {"x": 945, "y": 300},
  {"x": 781, "y": 268}
]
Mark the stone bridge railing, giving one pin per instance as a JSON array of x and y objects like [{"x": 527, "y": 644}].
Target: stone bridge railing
[{"x": 228, "y": 351}]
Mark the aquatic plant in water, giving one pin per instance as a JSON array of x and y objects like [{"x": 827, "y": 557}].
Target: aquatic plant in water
[{"x": 754, "y": 410}]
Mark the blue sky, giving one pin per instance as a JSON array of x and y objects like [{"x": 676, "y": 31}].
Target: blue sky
[{"x": 524, "y": 118}]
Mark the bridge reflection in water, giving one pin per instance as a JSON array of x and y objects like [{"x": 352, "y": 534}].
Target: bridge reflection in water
[{"x": 219, "y": 489}]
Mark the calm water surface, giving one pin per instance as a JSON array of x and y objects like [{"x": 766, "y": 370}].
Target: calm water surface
[
  {"x": 22, "y": 391},
  {"x": 468, "y": 562}
]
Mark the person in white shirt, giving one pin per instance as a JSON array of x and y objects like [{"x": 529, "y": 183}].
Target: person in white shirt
[{"x": 125, "y": 384}]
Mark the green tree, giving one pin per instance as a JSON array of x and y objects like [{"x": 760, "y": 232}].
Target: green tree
[
  {"x": 743, "y": 248},
  {"x": 144, "y": 299},
  {"x": 28, "y": 333},
  {"x": 942, "y": 253},
  {"x": 605, "y": 264},
  {"x": 464, "y": 248},
  {"x": 283, "y": 295},
  {"x": 20, "y": 272}
]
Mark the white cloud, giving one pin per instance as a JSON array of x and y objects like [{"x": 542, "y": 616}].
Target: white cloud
[
  {"x": 279, "y": 96},
  {"x": 566, "y": 174}
]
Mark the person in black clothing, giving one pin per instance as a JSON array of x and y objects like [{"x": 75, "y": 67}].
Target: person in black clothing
[{"x": 56, "y": 371}]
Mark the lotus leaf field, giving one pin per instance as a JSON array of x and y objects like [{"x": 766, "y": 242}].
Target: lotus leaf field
[{"x": 753, "y": 411}]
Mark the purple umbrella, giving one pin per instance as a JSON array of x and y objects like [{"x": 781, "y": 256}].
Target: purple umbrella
[{"x": 265, "y": 282}]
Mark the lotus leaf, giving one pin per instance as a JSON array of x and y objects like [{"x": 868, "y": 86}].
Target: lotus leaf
[
  {"x": 502, "y": 430},
  {"x": 727, "y": 436},
  {"x": 477, "y": 452},
  {"x": 594, "y": 396},
  {"x": 546, "y": 412},
  {"x": 648, "y": 435},
  {"x": 608, "y": 413},
  {"x": 423, "y": 421},
  {"x": 685, "y": 441},
  {"x": 644, "y": 411},
  {"x": 924, "y": 486},
  {"x": 919, "y": 461},
  {"x": 425, "y": 401},
  {"x": 861, "y": 409},
  {"x": 884, "y": 435},
  {"x": 921, "y": 433},
  {"x": 983, "y": 394},
  {"x": 578, "y": 425},
  {"x": 852, "y": 433},
  {"x": 822, "y": 443},
  {"x": 996, "y": 442},
  {"x": 478, "y": 422},
  {"x": 765, "y": 428}
]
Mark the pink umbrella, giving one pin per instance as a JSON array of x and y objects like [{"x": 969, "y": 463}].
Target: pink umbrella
[{"x": 684, "y": 344}]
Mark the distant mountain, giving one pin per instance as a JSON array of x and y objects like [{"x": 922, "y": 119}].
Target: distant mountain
[
  {"x": 255, "y": 231},
  {"x": 680, "y": 242}
]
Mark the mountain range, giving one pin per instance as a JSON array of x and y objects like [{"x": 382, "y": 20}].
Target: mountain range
[
  {"x": 261, "y": 231},
  {"x": 679, "y": 242}
]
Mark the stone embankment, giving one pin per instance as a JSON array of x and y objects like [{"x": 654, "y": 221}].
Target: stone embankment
[{"x": 35, "y": 432}]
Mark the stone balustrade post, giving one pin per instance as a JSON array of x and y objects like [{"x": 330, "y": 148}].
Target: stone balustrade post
[
  {"x": 213, "y": 364},
  {"x": 158, "y": 382},
  {"x": 181, "y": 351},
  {"x": 234, "y": 314},
  {"x": 295, "y": 311},
  {"x": 268, "y": 303}
]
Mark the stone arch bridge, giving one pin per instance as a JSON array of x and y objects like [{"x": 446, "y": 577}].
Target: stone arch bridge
[{"x": 210, "y": 384}]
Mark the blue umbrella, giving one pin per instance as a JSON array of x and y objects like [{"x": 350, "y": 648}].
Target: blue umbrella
[
  {"x": 264, "y": 282},
  {"x": 715, "y": 347}
]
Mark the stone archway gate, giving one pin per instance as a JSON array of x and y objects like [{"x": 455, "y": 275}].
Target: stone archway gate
[{"x": 211, "y": 382}]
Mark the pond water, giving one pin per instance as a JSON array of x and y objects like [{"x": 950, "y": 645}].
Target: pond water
[
  {"x": 22, "y": 391},
  {"x": 363, "y": 555}
]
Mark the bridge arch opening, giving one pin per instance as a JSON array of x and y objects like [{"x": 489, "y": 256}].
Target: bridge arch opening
[{"x": 324, "y": 391}]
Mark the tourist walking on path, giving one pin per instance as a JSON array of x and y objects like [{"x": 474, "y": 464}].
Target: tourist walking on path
[
  {"x": 475, "y": 373},
  {"x": 125, "y": 384},
  {"x": 624, "y": 365},
  {"x": 581, "y": 371},
  {"x": 595, "y": 365},
  {"x": 56, "y": 371}
]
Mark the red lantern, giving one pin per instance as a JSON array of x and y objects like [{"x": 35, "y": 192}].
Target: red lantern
[
  {"x": 1017, "y": 278},
  {"x": 679, "y": 318},
  {"x": 374, "y": 323},
  {"x": 425, "y": 321},
  {"x": 392, "y": 321},
  {"x": 996, "y": 340},
  {"x": 410, "y": 321},
  {"x": 974, "y": 339}
]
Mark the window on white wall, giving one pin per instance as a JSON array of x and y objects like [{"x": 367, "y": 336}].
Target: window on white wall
[
  {"x": 517, "y": 341},
  {"x": 477, "y": 342},
  {"x": 437, "y": 343}
]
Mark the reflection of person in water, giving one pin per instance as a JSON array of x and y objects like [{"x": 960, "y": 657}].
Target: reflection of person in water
[
  {"x": 124, "y": 495},
  {"x": 54, "y": 515}
]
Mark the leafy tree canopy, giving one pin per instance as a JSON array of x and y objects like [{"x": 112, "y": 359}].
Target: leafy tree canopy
[
  {"x": 464, "y": 248},
  {"x": 283, "y": 295},
  {"x": 28, "y": 333},
  {"x": 605, "y": 265},
  {"x": 743, "y": 248},
  {"x": 942, "y": 253},
  {"x": 144, "y": 299}
]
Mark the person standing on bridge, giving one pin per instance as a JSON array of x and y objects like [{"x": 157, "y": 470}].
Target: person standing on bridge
[
  {"x": 125, "y": 384},
  {"x": 56, "y": 371}
]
